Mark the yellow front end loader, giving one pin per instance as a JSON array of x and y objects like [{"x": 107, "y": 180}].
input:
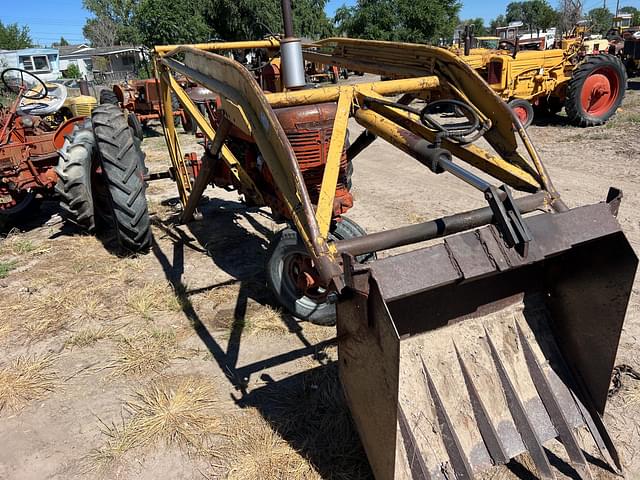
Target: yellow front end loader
[{"x": 493, "y": 346}]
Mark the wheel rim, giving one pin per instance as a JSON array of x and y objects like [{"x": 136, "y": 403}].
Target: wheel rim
[
  {"x": 300, "y": 276},
  {"x": 522, "y": 114},
  {"x": 600, "y": 91}
]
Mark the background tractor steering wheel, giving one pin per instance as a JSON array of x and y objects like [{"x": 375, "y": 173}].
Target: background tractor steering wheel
[
  {"x": 17, "y": 84},
  {"x": 507, "y": 45}
]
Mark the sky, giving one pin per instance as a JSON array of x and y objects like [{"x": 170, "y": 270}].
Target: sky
[{"x": 49, "y": 19}]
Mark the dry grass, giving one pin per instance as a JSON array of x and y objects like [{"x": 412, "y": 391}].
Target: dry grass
[
  {"x": 154, "y": 297},
  {"x": 265, "y": 320},
  {"x": 177, "y": 412},
  {"x": 17, "y": 245},
  {"x": 146, "y": 351},
  {"x": 90, "y": 336},
  {"x": 46, "y": 314},
  {"x": 26, "y": 379},
  {"x": 314, "y": 416},
  {"x": 222, "y": 295},
  {"x": 257, "y": 452}
]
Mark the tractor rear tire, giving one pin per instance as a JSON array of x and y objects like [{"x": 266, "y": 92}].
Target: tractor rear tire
[
  {"x": 75, "y": 169},
  {"x": 287, "y": 247},
  {"x": 595, "y": 90},
  {"x": 523, "y": 110},
  {"x": 122, "y": 163},
  {"x": 135, "y": 125},
  {"x": 108, "y": 97}
]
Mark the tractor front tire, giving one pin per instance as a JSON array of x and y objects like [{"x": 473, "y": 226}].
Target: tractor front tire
[
  {"x": 122, "y": 163},
  {"x": 523, "y": 110},
  {"x": 595, "y": 90},
  {"x": 75, "y": 169},
  {"x": 108, "y": 97},
  {"x": 286, "y": 256}
]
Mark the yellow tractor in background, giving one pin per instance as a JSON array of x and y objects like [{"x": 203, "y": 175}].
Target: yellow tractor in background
[
  {"x": 456, "y": 357},
  {"x": 590, "y": 87}
]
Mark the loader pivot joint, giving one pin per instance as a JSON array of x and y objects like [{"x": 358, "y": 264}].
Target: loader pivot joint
[{"x": 508, "y": 218}]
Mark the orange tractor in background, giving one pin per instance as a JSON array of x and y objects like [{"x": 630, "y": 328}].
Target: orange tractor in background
[{"x": 142, "y": 100}]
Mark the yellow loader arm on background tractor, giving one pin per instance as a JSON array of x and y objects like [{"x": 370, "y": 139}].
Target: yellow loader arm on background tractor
[{"x": 460, "y": 356}]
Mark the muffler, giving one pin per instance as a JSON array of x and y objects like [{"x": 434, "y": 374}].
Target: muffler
[{"x": 464, "y": 355}]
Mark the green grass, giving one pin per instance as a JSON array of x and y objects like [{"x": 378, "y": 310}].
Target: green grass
[{"x": 6, "y": 267}]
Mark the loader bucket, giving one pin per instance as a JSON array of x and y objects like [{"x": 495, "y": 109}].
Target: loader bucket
[{"x": 464, "y": 355}]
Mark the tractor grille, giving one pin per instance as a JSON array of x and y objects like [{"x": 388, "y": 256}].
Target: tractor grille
[
  {"x": 494, "y": 73},
  {"x": 85, "y": 109},
  {"x": 311, "y": 148}
]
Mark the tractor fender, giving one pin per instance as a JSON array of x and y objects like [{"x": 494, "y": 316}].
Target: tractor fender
[{"x": 65, "y": 129}]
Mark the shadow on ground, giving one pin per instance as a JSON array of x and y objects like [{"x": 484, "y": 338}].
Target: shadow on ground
[{"x": 307, "y": 409}]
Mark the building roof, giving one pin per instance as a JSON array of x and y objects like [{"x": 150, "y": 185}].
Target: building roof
[
  {"x": 78, "y": 51},
  {"x": 32, "y": 51}
]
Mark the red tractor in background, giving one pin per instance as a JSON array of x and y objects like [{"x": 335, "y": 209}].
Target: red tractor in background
[
  {"x": 142, "y": 99},
  {"x": 29, "y": 144}
]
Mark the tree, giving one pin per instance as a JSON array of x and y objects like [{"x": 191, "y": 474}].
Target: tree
[
  {"x": 101, "y": 32},
  {"x": 420, "y": 21},
  {"x": 535, "y": 14},
  {"x": 253, "y": 19},
  {"x": 499, "y": 21},
  {"x": 478, "y": 26},
  {"x": 634, "y": 11},
  {"x": 601, "y": 19},
  {"x": 13, "y": 37},
  {"x": 116, "y": 14},
  {"x": 162, "y": 22},
  {"x": 72, "y": 71},
  {"x": 61, "y": 43}
]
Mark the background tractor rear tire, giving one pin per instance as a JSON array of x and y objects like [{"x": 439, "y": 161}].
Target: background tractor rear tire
[
  {"x": 108, "y": 97},
  {"x": 75, "y": 169},
  {"x": 595, "y": 90},
  {"x": 135, "y": 125},
  {"x": 285, "y": 248},
  {"x": 122, "y": 163},
  {"x": 523, "y": 110}
]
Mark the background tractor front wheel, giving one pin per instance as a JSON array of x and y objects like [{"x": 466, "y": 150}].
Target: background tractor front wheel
[
  {"x": 595, "y": 90},
  {"x": 293, "y": 279},
  {"x": 523, "y": 110},
  {"x": 122, "y": 163}
]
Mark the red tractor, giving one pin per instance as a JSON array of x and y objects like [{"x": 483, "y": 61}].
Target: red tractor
[
  {"x": 142, "y": 99},
  {"x": 28, "y": 144}
]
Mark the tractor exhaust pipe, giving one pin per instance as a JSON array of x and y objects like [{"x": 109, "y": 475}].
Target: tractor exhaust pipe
[{"x": 291, "y": 52}]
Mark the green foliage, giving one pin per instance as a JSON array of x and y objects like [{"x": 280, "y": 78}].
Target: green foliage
[
  {"x": 61, "y": 43},
  {"x": 72, "y": 71},
  {"x": 478, "y": 26},
  {"x": 601, "y": 19},
  {"x": 419, "y": 21},
  {"x": 499, "y": 21},
  {"x": 13, "y": 37},
  {"x": 254, "y": 19},
  {"x": 535, "y": 14},
  {"x": 162, "y": 22},
  {"x": 114, "y": 22},
  {"x": 6, "y": 267},
  {"x": 634, "y": 11}
]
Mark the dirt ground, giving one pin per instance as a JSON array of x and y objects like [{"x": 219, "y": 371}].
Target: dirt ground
[{"x": 178, "y": 364}]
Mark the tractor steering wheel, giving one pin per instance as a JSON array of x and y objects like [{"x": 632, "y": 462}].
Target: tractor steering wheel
[
  {"x": 19, "y": 85},
  {"x": 507, "y": 45}
]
